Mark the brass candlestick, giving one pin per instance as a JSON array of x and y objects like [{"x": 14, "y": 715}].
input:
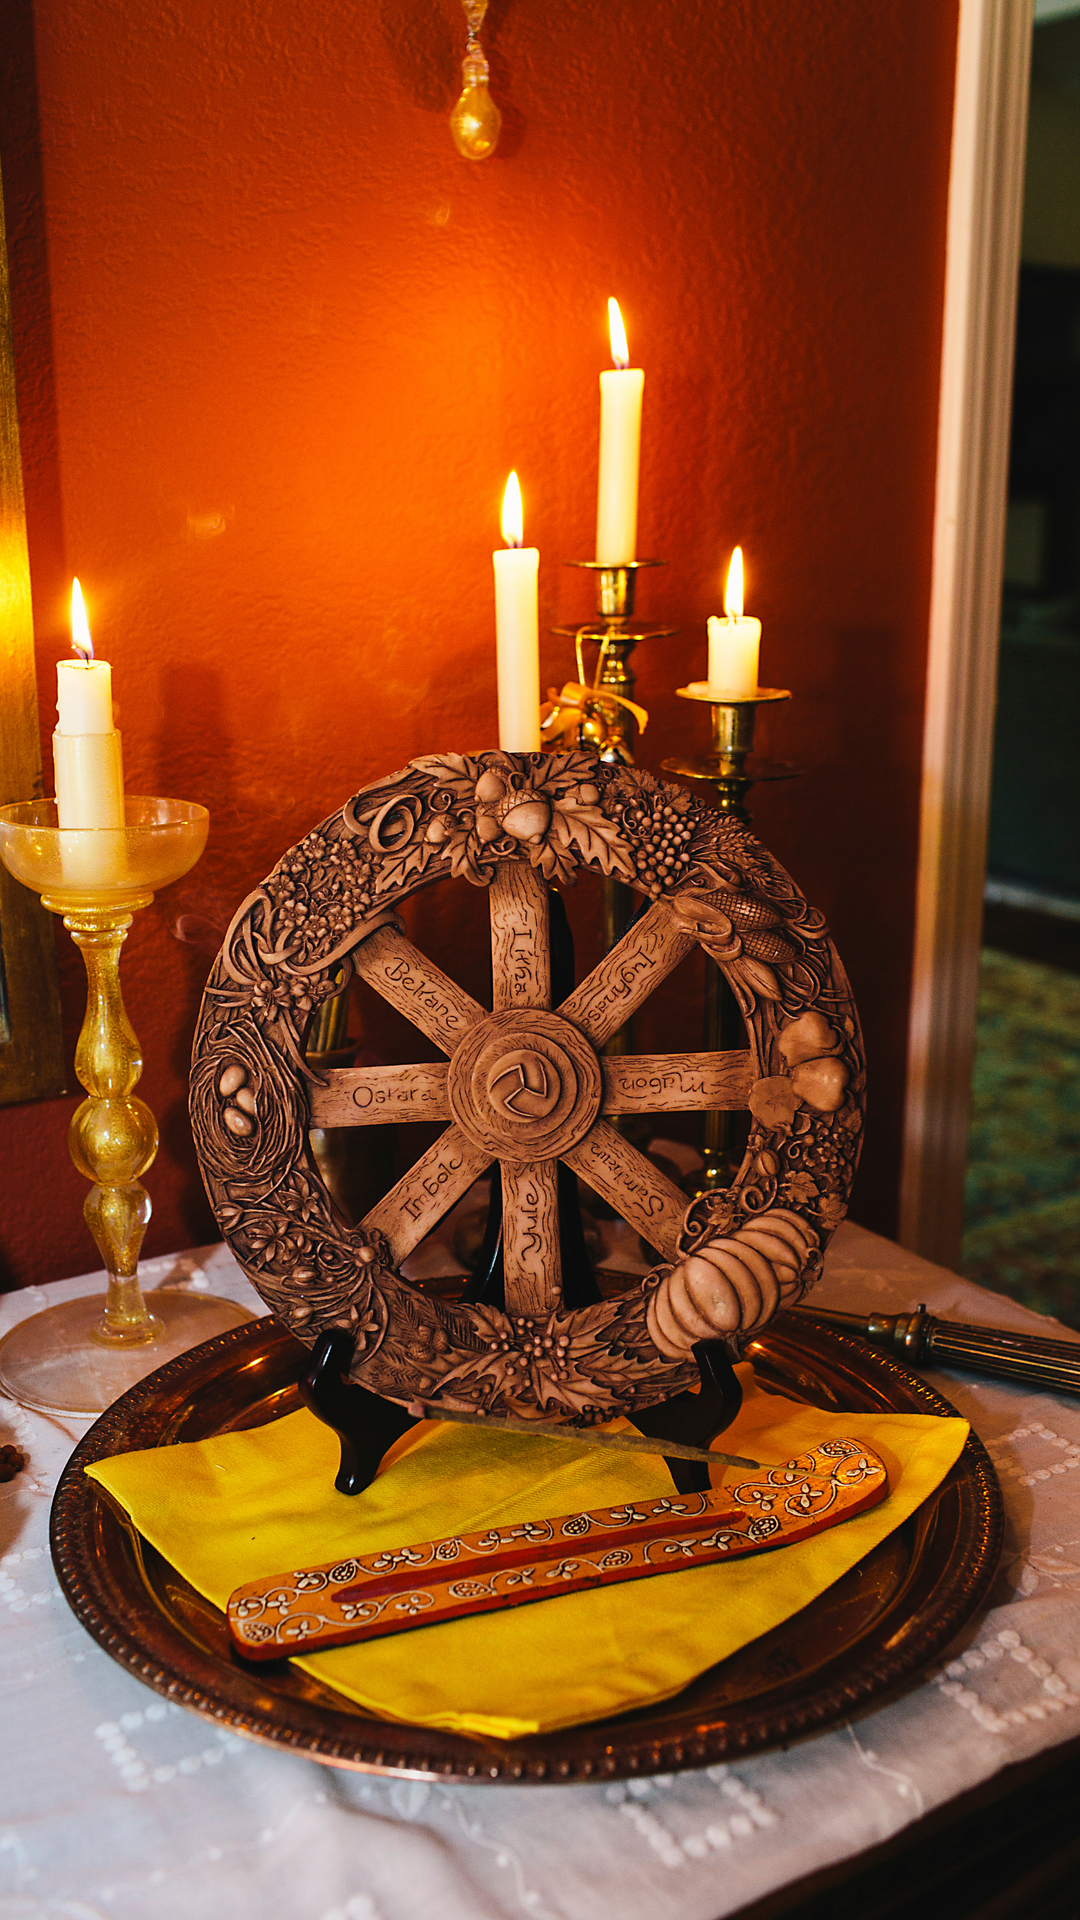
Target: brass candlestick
[
  {"x": 732, "y": 769},
  {"x": 616, "y": 633},
  {"x": 78, "y": 1357}
]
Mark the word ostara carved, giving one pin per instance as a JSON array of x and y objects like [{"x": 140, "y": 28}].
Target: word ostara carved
[{"x": 527, "y": 1084}]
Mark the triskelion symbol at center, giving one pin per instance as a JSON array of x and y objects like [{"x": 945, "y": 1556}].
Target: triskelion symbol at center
[{"x": 524, "y": 1085}]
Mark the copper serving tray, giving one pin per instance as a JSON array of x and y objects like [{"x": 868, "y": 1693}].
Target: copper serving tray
[{"x": 875, "y": 1627}]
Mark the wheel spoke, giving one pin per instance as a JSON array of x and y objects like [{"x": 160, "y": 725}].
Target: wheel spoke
[
  {"x": 676, "y": 1082},
  {"x": 417, "y": 987},
  {"x": 371, "y": 1096},
  {"x": 627, "y": 975},
  {"x": 520, "y": 940},
  {"x": 426, "y": 1192},
  {"x": 532, "y": 1263},
  {"x": 632, "y": 1185}
]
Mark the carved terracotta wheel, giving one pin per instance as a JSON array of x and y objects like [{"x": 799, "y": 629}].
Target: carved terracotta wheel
[{"x": 526, "y": 1084}]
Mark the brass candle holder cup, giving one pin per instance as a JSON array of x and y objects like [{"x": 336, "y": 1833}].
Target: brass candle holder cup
[
  {"x": 77, "y": 1357},
  {"x": 732, "y": 769}
]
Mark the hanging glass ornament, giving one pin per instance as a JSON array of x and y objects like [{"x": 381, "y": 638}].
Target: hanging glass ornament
[{"x": 476, "y": 120}]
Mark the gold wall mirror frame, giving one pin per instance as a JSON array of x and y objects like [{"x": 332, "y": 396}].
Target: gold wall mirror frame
[{"x": 31, "y": 1046}]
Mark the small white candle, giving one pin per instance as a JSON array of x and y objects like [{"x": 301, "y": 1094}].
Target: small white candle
[
  {"x": 734, "y": 641},
  {"x": 86, "y": 746},
  {"x": 517, "y": 631},
  {"x": 620, "y": 447}
]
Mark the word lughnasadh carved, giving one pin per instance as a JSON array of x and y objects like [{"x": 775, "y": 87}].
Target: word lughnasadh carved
[{"x": 525, "y": 1085}]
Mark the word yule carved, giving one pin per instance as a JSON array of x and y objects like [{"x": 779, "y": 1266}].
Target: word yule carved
[{"x": 527, "y": 1085}]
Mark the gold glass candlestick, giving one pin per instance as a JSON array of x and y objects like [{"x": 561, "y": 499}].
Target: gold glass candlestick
[
  {"x": 78, "y": 1357},
  {"x": 732, "y": 769}
]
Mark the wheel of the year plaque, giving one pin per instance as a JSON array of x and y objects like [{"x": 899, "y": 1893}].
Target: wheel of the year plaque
[{"x": 526, "y": 1084}]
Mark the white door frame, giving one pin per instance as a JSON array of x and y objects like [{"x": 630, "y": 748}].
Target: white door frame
[{"x": 986, "y": 183}]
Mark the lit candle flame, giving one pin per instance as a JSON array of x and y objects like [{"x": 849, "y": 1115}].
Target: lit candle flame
[
  {"x": 733, "y": 592},
  {"x": 80, "y": 630},
  {"x": 513, "y": 519},
  {"x": 620, "y": 352}
]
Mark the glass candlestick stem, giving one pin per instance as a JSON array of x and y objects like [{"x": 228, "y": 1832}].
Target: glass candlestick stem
[
  {"x": 113, "y": 1137},
  {"x": 77, "y": 1357}
]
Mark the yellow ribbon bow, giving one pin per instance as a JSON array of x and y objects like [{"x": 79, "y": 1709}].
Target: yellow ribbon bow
[{"x": 585, "y": 709}]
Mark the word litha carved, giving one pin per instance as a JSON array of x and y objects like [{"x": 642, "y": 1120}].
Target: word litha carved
[{"x": 525, "y": 1084}]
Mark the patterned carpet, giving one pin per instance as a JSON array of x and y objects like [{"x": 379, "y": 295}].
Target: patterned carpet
[{"x": 1022, "y": 1234}]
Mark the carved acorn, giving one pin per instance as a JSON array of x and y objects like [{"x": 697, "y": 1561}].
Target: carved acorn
[
  {"x": 490, "y": 788},
  {"x": 526, "y": 819},
  {"x": 499, "y": 810}
]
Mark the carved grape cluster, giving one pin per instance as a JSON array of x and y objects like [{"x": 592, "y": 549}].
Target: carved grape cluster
[{"x": 659, "y": 822}]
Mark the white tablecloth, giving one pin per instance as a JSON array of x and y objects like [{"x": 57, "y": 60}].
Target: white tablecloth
[{"x": 116, "y": 1804}]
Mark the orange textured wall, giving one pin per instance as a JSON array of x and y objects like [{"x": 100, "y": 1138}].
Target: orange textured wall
[{"x": 278, "y": 346}]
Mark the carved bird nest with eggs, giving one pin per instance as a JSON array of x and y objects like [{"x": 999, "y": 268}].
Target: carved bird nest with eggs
[{"x": 526, "y": 1084}]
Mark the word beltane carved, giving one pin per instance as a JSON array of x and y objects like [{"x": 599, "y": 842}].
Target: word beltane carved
[{"x": 526, "y": 1085}]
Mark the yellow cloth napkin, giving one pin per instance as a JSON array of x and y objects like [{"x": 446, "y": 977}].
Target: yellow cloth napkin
[{"x": 250, "y": 1504}]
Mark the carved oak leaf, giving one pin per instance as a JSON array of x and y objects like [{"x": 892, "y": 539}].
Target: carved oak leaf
[
  {"x": 597, "y": 843},
  {"x": 441, "y": 765},
  {"x": 466, "y": 862},
  {"x": 412, "y": 861}
]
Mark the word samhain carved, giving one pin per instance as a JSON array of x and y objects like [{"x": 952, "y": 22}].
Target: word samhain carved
[{"x": 527, "y": 1084}]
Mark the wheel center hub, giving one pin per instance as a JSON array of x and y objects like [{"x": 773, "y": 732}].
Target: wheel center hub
[{"x": 525, "y": 1086}]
